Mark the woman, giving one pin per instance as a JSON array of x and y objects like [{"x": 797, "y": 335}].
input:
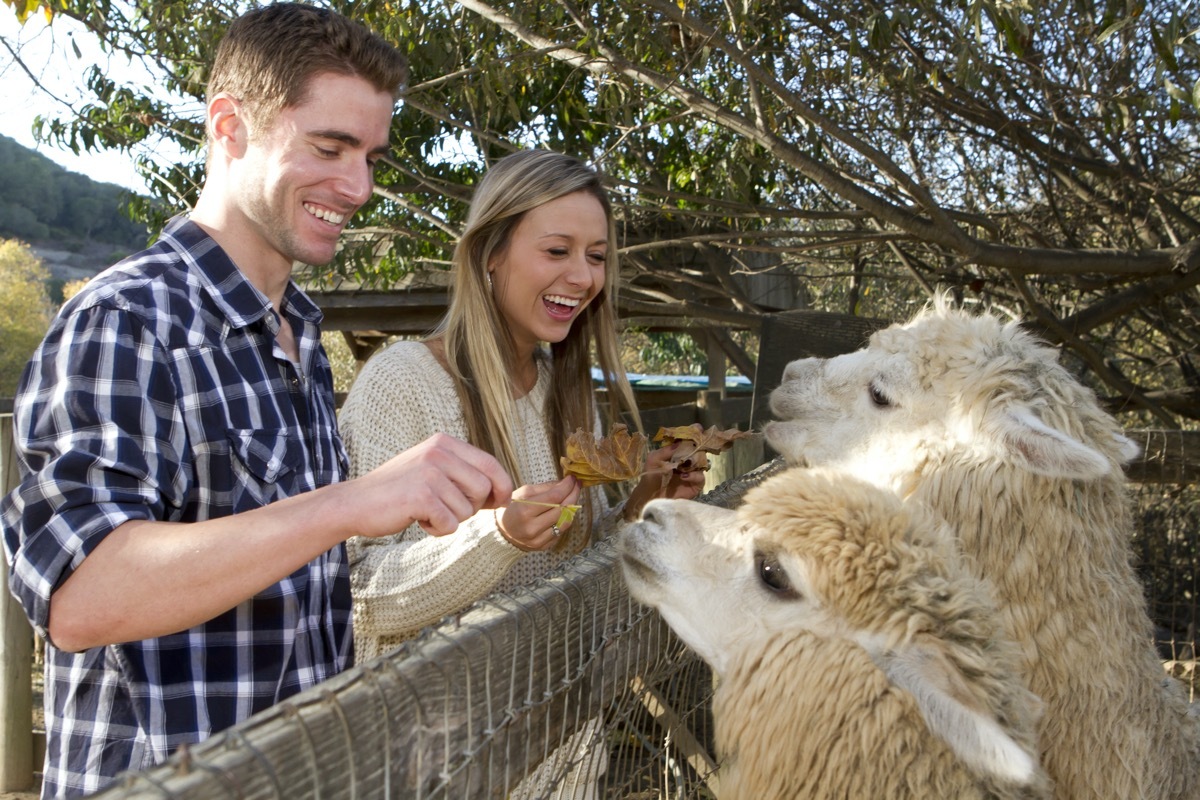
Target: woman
[{"x": 537, "y": 263}]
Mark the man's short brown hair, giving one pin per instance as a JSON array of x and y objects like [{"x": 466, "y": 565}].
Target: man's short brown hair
[{"x": 270, "y": 54}]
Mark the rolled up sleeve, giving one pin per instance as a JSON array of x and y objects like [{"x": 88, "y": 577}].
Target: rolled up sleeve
[{"x": 99, "y": 443}]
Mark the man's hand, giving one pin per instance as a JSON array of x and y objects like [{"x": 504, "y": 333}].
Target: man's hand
[{"x": 438, "y": 484}]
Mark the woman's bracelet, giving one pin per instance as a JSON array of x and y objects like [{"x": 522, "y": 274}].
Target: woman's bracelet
[{"x": 507, "y": 538}]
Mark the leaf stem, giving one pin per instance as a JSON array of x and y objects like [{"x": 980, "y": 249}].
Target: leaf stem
[{"x": 537, "y": 503}]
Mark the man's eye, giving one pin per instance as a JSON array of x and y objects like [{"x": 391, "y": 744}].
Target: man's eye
[{"x": 773, "y": 576}]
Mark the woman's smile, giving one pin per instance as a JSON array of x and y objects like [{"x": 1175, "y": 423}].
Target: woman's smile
[{"x": 553, "y": 267}]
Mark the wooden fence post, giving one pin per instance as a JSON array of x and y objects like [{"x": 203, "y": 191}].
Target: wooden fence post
[{"x": 16, "y": 651}]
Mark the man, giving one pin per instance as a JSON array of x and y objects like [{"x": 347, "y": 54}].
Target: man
[{"x": 177, "y": 533}]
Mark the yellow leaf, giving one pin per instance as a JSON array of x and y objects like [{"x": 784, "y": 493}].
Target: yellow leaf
[{"x": 567, "y": 514}]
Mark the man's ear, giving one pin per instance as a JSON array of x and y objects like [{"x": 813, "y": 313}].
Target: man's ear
[{"x": 228, "y": 125}]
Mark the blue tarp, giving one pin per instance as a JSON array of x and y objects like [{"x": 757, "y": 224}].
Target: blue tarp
[{"x": 689, "y": 383}]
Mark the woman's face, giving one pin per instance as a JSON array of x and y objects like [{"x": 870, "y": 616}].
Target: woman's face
[{"x": 552, "y": 268}]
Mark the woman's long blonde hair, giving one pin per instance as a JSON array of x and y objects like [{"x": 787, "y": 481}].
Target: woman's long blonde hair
[{"x": 480, "y": 351}]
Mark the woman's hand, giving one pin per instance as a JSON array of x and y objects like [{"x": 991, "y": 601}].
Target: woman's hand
[
  {"x": 530, "y": 526},
  {"x": 663, "y": 478},
  {"x": 685, "y": 481}
]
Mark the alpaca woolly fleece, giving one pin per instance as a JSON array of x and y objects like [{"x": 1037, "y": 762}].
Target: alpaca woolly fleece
[
  {"x": 975, "y": 418},
  {"x": 855, "y": 655}
]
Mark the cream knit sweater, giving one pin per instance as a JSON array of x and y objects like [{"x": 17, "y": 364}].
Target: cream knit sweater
[{"x": 404, "y": 582}]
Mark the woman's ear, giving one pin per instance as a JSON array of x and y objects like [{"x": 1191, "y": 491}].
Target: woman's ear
[{"x": 228, "y": 125}]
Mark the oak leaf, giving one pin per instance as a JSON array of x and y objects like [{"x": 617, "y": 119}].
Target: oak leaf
[{"x": 609, "y": 459}]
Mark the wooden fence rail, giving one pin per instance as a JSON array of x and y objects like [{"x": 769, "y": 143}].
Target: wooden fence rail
[{"x": 16, "y": 654}]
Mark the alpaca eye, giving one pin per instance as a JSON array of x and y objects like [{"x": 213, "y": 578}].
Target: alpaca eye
[
  {"x": 878, "y": 397},
  {"x": 773, "y": 576}
]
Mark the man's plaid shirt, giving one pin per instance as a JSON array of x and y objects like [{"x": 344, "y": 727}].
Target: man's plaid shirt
[{"x": 159, "y": 393}]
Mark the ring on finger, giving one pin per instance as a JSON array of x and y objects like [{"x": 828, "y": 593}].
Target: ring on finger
[{"x": 557, "y": 531}]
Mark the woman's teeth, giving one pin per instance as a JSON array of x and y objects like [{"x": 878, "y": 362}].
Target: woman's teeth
[
  {"x": 560, "y": 300},
  {"x": 328, "y": 216}
]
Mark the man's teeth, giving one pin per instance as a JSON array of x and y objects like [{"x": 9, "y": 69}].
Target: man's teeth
[
  {"x": 328, "y": 216},
  {"x": 562, "y": 301}
]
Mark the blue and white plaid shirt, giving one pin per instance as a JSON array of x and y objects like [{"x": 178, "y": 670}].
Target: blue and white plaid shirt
[{"x": 160, "y": 394}]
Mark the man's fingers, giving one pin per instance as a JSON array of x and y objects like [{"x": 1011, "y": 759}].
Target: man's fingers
[
  {"x": 493, "y": 486},
  {"x": 437, "y": 483}
]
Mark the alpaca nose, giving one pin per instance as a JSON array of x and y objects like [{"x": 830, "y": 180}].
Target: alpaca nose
[
  {"x": 651, "y": 514},
  {"x": 798, "y": 369},
  {"x": 655, "y": 513}
]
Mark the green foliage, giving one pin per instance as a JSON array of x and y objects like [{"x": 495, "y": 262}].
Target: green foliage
[
  {"x": 663, "y": 353},
  {"x": 1040, "y": 156},
  {"x": 41, "y": 200},
  {"x": 26, "y": 8},
  {"x": 25, "y": 310},
  {"x": 341, "y": 360}
]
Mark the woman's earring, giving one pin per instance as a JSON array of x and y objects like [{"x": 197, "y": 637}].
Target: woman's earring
[{"x": 491, "y": 286}]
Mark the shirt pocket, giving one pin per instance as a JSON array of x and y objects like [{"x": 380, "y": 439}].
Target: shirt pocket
[{"x": 266, "y": 466}]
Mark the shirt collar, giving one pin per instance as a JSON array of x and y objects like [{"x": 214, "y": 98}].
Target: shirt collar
[{"x": 241, "y": 302}]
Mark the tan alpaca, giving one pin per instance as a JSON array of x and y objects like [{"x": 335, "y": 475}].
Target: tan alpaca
[{"x": 855, "y": 654}]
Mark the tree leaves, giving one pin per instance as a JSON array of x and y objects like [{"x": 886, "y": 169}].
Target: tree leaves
[
  {"x": 695, "y": 443},
  {"x": 25, "y": 8},
  {"x": 782, "y": 145},
  {"x": 620, "y": 455},
  {"x": 609, "y": 459},
  {"x": 25, "y": 310}
]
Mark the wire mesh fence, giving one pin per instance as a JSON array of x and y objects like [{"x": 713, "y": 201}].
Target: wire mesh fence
[
  {"x": 566, "y": 689},
  {"x": 1166, "y": 542},
  {"x": 1166, "y": 546}
]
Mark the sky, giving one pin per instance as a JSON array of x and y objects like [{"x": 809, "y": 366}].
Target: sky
[{"x": 49, "y": 52}]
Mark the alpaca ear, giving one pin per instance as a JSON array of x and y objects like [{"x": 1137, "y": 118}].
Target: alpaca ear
[
  {"x": 1128, "y": 447},
  {"x": 1045, "y": 451},
  {"x": 950, "y": 713}
]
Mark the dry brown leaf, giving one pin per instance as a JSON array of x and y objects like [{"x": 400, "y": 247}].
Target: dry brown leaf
[
  {"x": 693, "y": 444},
  {"x": 713, "y": 440},
  {"x": 609, "y": 459}
]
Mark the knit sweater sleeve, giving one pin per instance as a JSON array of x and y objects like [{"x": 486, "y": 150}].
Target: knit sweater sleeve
[{"x": 406, "y": 581}]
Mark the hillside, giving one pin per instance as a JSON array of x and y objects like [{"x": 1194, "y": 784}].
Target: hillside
[{"x": 76, "y": 225}]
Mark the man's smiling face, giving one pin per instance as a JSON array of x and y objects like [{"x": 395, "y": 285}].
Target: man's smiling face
[{"x": 304, "y": 176}]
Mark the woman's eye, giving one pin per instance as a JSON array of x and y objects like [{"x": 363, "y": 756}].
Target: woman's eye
[
  {"x": 878, "y": 397},
  {"x": 597, "y": 258},
  {"x": 773, "y": 576}
]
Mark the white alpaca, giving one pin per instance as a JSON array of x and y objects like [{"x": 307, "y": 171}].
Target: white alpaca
[
  {"x": 855, "y": 655},
  {"x": 976, "y": 419}
]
